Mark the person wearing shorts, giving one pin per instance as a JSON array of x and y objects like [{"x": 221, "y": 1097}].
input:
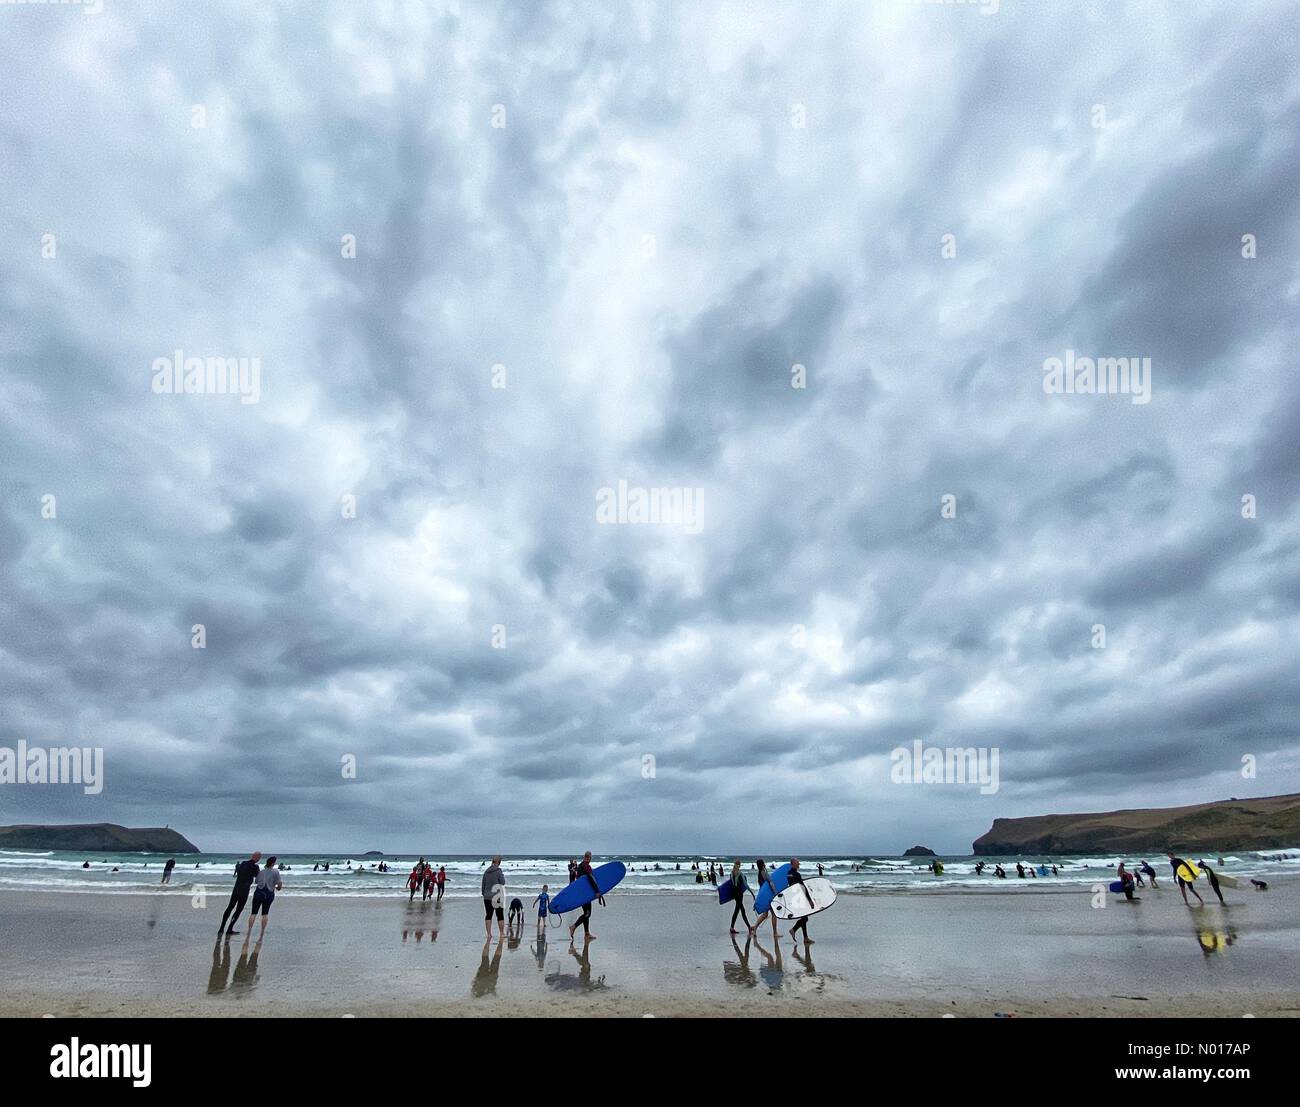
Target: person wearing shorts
[
  {"x": 543, "y": 905},
  {"x": 268, "y": 883},
  {"x": 494, "y": 894}
]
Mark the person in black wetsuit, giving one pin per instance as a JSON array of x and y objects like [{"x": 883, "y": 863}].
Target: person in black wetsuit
[
  {"x": 245, "y": 873},
  {"x": 584, "y": 920},
  {"x": 1214, "y": 880},
  {"x": 793, "y": 878},
  {"x": 738, "y": 890},
  {"x": 1183, "y": 885}
]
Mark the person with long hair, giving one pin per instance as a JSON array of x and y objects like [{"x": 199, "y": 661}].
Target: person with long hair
[{"x": 738, "y": 890}]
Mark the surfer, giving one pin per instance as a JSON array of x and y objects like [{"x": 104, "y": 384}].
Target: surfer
[
  {"x": 1214, "y": 880},
  {"x": 245, "y": 874},
  {"x": 763, "y": 879},
  {"x": 793, "y": 878},
  {"x": 738, "y": 890},
  {"x": 1149, "y": 873},
  {"x": 584, "y": 920},
  {"x": 167, "y": 870},
  {"x": 1126, "y": 879},
  {"x": 442, "y": 881},
  {"x": 1184, "y": 886},
  {"x": 494, "y": 891}
]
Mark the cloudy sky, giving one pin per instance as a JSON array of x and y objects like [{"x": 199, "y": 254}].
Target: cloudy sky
[{"x": 591, "y": 244}]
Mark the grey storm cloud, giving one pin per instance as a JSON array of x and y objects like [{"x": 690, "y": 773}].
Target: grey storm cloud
[{"x": 591, "y": 245}]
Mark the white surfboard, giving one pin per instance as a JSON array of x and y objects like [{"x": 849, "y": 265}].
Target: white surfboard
[{"x": 801, "y": 900}]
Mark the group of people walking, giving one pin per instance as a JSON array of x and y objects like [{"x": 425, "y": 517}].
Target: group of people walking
[
  {"x": 426, "y": 881},
  {"x": 740, "y": 886}
]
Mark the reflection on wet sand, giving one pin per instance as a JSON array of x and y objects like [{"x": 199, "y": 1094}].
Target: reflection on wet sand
[
  {"x": 485, "y": 980},
  {"x": 539, "y": 950},
  {"x": 773, "y": 970},
  {"x": 1214, "y": 932},
  {"x": 245, "y": 975},
  {"x": 581, "y": 981},
  {"x": 419, "y": 918},
  {"x": 515, "y": 933},
  {"x": 738, "y": 972}
]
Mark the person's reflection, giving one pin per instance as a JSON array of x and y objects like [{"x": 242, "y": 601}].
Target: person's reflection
[
  {"x": 515, "y": 933},
  {"x": 219, "y": 978},
  {"x": 584, "y": 967},
  {"x": 805, "y": 958},
  {"x": 773, "y": 971},
  {"x": 539, "y": 950},
  {"x": 582, "y": 982},
  {"x": 485, "y": 980},
  {"x": 244, "y": 978},
  {"x": 1214, "y": 938},
  {"x": 415, "y": 921},
  {"x": 738, "y": 972}
]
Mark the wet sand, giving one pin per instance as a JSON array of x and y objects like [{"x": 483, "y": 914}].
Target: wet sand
[{"x": 1044, "y": 953}]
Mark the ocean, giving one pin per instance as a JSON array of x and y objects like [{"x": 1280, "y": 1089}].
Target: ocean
[{"x": 354, "y": 875}]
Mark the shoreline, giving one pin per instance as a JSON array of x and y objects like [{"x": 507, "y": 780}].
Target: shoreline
[{"x": 897, "y": 956}]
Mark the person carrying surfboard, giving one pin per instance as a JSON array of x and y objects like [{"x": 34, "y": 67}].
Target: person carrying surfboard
[
  {"x": 738, "y": 890},
  {"x": 1184, "y": 885},
  {"x": 584, "y": 920},
  {"x": 1214, "y": 880},
  {"x": 793, "y": 878},
  {"x": 764, "y": 879}
]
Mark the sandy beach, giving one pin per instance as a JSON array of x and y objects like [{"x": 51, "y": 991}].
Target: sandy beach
[{"x": 971, "y": 954}]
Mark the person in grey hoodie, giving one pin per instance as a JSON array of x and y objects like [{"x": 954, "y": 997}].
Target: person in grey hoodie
[{"x": 494, "y": 892}]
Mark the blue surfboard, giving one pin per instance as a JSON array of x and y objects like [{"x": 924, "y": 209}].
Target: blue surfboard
[
  {"x": 579, "y": 893},
  {"x": 1117, "y": 885},
  {"x": 727, "y": 890},
  {"x": 777, "y": 882}
]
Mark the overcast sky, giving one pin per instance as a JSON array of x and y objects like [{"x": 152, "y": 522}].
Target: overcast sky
[{"x": 638, "y": 218}]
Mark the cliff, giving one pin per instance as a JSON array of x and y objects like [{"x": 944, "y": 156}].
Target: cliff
[
  {"x": 96, "y": 837},
  {"x": 1271, "y": 822}
]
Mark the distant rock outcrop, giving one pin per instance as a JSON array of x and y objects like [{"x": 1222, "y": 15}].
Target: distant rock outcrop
[
  {"x": 96, "y": 838},
  {"x": 1270, "y": 822},
  {"x": 372, "y": 853},
  {"x": 919, "y": 851}
]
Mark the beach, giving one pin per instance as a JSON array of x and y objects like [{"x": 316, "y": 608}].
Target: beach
[{"x": 1045, "y": 951}]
